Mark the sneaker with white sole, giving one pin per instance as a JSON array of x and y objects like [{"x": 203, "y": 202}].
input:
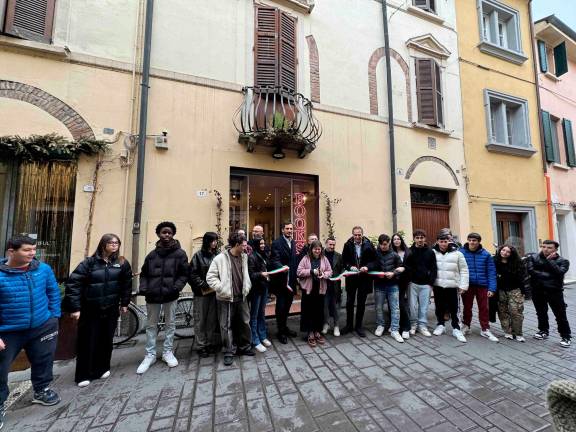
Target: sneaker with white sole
[
  {"x": 148, "y": 361},
  {"x": 424, "y": 331},
  {"x": 508, "y": 336},
  {"x": 520, "y": 339},
  {"x": 439, "y": 330},
  {"x": 260, "y": 348},
  {"x": 84, "y": 383},
  {"x": 413, "y": 331},
  {"x": 465, "y": 329},
  {"x": 266, "y": 343},
  {"x": 396, "y": 336},
  {"x": 325, "y": 329},
  {"x": 565, "y": 342},
  {"x": 458, "y": 335},
  {"x": 46, "y": 397},
  {"x": 405, "y": 335},
  {"x": 105, "y": 375},
  {"x": 540, "y": 335},
  {"x": 336, "y": 331},
  {"x": 379, "y": 331},
  {"x": 488, "y": 335},
  {"x": 169, "y": 359}
]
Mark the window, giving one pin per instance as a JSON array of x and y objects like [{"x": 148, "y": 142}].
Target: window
[
  {"x": 500, "y": 31},
  {"x": 275, "y": 48},
  {"x": 552, "y": 144},
  {"x": 429, "y": 92},
  {"x": 553, "y": 58},
  {"x": 515, "y": 225},
  {"x": 28, "y": 19},
  {"x": 507, "y": 124},
  {"x": 427, "y": 5}
]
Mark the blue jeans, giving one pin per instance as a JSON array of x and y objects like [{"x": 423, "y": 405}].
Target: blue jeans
[
  {"x": 390, "y": 293},
  {"x": 153, "y": 311},
  {"x": 419, "y": 296},
  {"x": 258, "y": 317}
]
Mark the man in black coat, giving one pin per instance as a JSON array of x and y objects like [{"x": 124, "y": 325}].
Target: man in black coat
[
  {"x": 358, "y": 252},
  {"x": 547, "y": 270},
  {"x": 284, "y": 253}
]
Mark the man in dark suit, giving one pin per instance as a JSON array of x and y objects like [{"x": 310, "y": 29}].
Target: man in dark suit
[{"x": 284, "y": 253}]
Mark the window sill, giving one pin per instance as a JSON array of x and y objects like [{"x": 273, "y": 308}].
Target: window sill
[
  {"x": 552, "y": 77},
  {"x": 441, "y": 131},
  {"x": 560, "y": 166},
  {"x": 512, "y": 150},
  {"x": 426, "y": 15},
  {"x": 37, "y": 47},
  {"x": 503, "y": 53},
  {"x": 299, "y": 5}
]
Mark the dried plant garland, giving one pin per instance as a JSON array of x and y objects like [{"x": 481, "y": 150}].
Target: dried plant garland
[
  {"x": 49, "y": 147},
  {"x": 330, "y": 204}
]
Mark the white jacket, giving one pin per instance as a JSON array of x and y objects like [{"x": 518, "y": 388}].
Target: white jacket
[
  {"x": 219, "y": 276},
  {"x": 452, "y": 270}
]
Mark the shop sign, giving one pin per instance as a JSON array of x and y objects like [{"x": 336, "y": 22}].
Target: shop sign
[{"x": 299, "y": 218}]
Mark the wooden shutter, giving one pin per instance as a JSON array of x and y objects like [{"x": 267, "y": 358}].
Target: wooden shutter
[
  {"x": 549, "y": 146},
  {"x": 427, "y": 5},
  {"x": 560, "y": 59},
  {"x": 30, "y": 19},
  {"x": 266, "y": 46},
  {"x": 569, "y": 143},
  {"x": 287, "y": 51},
  {"x": 543, "y": 56},
  {"x": 439, "y": 96},
  {"x": 426, "y": 91}
]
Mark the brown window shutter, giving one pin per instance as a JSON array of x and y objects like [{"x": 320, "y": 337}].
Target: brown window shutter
[
  {"x": 287, "y": 51},
  {"x": 426, "y": 91},
  {"x": 439, "y": 96},
  {"x": 266, "y": 46},
  {"x": 30, "y": 19}
]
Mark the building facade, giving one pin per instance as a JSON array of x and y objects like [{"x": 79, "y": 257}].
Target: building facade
[
  {"x": 501, "y": 128},
  {"x": 556, "y": 48},
  {"x": 275, "y": 105}
]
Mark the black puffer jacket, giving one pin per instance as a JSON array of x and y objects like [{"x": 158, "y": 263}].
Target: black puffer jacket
[
  {"x": 420, "y": 265},
  {"x": 508, "y": 279},
  {"x": 256, "y": 265},
  {"x": 546, "y": 274},
  {"x": 385, "y": 262},
  {"x": 97, "y": 284},
  {"x": 198, "y": 269},
  {"x": 164, "y": 273}
]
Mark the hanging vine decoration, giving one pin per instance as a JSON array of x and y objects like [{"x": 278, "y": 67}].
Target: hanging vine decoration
[
  {"x": 330, "y": 204},
  {"x": 219, "y": 213},
  {"x": 49, "y": 147}
]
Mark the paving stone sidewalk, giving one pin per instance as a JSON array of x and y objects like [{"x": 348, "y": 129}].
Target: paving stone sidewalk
[{"x": 351, "y": 384}]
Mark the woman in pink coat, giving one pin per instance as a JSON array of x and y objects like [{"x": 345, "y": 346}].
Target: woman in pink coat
[{"x": 313, "y": 273}]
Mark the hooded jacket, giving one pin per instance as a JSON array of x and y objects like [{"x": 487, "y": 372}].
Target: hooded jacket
[
  {"x": 481, "y": 267},
  {"x": 420, "y": 265},
  {"x": 546, "y": 274},
  {"x": 219, "y": 277},
  {"x": 198, "y": 269},
  {"x": 28, "y": 298},
  {"x": 387, "y": 261},
  {"x": 452, "y": 268},
  {"x": 164, "y": 273}
]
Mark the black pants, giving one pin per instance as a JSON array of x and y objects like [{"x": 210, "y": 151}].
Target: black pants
[
  {"x": 95, "y": 334},
  {"x": 39, "y": 344},
  {"x": 404, "y": 309},
  {"x": 284, "y": 300},
  {"x": 356, "y": 292},
  {"x": 447, "y": 300},
  {"x": 312, "y": 316},
  {"x": 543, "y": 298}
]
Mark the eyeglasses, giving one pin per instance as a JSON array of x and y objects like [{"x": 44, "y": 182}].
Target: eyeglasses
[{"x": 113, "y": 243}]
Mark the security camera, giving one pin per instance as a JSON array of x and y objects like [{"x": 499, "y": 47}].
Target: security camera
[{"x": 165, "y": 132}]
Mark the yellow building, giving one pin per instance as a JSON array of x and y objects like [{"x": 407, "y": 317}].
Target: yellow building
[{"x": 502, "y": 147}]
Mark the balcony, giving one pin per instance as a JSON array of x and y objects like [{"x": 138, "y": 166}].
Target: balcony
[{"x": 276, "y": 118}]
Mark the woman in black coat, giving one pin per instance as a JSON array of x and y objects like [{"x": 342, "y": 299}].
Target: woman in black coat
[
  {"x": 257, "y": 268},
  {"x": 97, "y": 289}
]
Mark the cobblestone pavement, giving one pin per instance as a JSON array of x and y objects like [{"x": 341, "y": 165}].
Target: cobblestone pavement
[{"x": 350, "y": 384}]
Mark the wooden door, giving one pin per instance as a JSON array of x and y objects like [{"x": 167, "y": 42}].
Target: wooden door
[
  {"x": 431, "y": 218},
  {"x": 509, "y": 230}
]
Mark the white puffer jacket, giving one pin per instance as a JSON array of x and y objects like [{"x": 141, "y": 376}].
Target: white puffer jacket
[
  {"x": 219, "y": 276},
  {"x": 452, "y": 269}
]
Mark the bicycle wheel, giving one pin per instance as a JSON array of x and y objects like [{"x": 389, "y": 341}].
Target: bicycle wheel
[
  {"x": 184, "y": 318},
  {"x": 128, "y": 325}
]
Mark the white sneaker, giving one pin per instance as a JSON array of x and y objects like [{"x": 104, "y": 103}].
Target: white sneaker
[
  {"x": 425, "y": 332},
  {"x": 405, "y": 335},
  {"x": 508, "y": 336},
  {"x": 169, "y": 358},
  {"x": 397, "y": 336},
  {"x": 84, "y": 383},
  {"x": 440, "y": 330},
  {"x": 488, "y": 334},
  {"x": 266, "y": 343},
  {"x": 520, "y": 339},
  {"x": 458, "y": 335},
  {"x": 379, "y": 331},
  {"x": 148, "y": 361},
  {"x": 105, "y": 375},
  {"x": 325, "y": 329},
  {"x": 260, "y": 348},
  {"x": 465, "y": 329},
  {"x": 412, "y": 331},
  {"x": 336, "y": 331}
]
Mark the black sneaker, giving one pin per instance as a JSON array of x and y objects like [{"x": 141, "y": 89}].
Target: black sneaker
[
  {"x": 2, "y": 413},
  {"x": 541, "y": 335},
  {"x": 228, "y": 360},
  {"x": 203, "y": 353},
  {"x": 360, "y": 332},
  {"x": 46, "y": 397},
  {"x": 290, "y": 333},
  {"x": 565, "y": 343}
]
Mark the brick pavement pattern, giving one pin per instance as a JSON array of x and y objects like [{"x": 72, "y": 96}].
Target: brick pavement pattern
[{"x": 351, "y": 384}]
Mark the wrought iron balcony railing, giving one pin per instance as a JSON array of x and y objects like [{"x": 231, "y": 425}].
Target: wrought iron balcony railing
[{"x": 278, "y": 118}]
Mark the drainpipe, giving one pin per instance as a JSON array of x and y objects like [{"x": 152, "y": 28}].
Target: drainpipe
[
  {"x": 390, "y": 118},
  {"x": 549, "y": 206},
  {"x": 142, "y": 136}
]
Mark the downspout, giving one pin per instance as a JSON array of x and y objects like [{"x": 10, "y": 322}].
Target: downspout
[
  {"x": 390, "y": 118},
  {"x": 549, "y": 206},
  {"x": 142, "y": 136}
]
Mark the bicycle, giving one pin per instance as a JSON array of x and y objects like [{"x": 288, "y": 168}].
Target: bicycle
[{"x": 130, "y": 322}]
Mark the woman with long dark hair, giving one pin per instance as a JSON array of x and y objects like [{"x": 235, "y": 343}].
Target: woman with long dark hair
[
  {"x": 399, "y": 246},
  {"x": 96, "y": 291},
  {"x": 512, "y": 288},
  {"x": 258, "y": 270},
  {"x": 205, "y": 314}
]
